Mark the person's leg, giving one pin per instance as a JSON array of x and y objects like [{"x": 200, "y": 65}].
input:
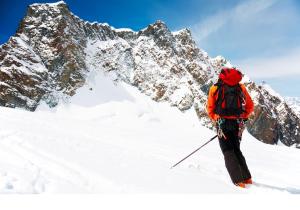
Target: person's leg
[
  {"x": 241, "y": 159},
  {"x": 231, "y": 161}
]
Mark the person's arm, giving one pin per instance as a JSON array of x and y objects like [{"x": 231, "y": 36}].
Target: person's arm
[
  {"x": 210, "y": 106},
  {"x": 249, "y": 107}
]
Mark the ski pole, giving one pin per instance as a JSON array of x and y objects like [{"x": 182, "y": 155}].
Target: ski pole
[{"x": 195, "y": 151}]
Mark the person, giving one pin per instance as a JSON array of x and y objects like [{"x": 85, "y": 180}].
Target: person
[{"x": 229, "y": 105}]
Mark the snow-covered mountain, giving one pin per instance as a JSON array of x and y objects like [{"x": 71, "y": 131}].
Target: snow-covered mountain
[
  {"x": 54, "y": 53},
  {"x": 121, "y": 141},
  {"x": 294, "y": 103}
]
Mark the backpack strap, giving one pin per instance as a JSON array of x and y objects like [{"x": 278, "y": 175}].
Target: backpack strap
[
  {"x": 220, "y": 98},
  {"x": 218, "y": 84}
]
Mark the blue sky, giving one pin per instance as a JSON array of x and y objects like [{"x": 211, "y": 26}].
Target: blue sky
[{"x": 262, "y": 37}]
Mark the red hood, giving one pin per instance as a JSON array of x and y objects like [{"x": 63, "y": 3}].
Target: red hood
[{"x": 230, "y": 76}]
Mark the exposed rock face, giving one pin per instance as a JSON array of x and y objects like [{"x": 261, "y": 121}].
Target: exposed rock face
[
  {"x": 59, "y": 38},
  {"x": 53, "y": 51},
  {"x": 23, "y": 75},
  {"x": 273, "y": 119}
]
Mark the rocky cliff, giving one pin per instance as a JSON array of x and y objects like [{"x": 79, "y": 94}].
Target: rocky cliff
[{"x": 53, "y": 51}]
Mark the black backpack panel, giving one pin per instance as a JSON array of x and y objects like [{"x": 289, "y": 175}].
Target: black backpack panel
[{"x": 230, "y": 101}]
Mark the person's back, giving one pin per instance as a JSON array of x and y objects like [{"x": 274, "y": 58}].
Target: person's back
[{"x": 229, "y": 106}]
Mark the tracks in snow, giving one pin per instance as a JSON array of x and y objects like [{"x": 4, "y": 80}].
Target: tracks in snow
[{"x": 44, "y": 168}]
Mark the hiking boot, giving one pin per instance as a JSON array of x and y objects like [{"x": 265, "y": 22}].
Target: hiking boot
[
  {"x": 248, "y": 181},
  {"x": 241, "y": 184}
]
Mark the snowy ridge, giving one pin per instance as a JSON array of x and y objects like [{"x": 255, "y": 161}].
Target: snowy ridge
[
  {"x": 123, "y": 30},
  {"x": 294, "y": 103},
  {"x": 49, "y": 4},
  {"x": 271, "y": 91}
]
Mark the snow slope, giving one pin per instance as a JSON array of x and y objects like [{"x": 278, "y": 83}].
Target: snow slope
[{"x": 111, "y": 138}]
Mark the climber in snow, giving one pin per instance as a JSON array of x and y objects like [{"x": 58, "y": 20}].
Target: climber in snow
[{"x": 229, "y": 106}]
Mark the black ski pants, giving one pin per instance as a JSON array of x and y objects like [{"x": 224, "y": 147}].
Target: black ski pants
[{"x": 234, "y": 160}]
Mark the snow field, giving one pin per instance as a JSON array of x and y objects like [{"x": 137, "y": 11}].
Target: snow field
[{"x": 112, "y": 139}]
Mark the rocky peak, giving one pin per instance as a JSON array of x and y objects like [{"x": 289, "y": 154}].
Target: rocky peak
[
  {"x": 184, "y": 36},
  {"x": 38, "y": 14},
  {"x": 58, "y": 37},
  {"x": 155, "y": 28},
  {"x": 160, "y": 33},
  {"x": 51, "y": 9}
]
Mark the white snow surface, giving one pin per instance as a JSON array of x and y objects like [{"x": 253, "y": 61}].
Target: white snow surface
[
  {"x": 49, "y": 4},
  {"x": 110, "y": 138}
]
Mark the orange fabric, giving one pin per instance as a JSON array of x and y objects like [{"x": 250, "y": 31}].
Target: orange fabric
[
  {"x": 212, "y": 98},
  {"x": 248, "y": 181},
  {"x": 241, "y": 184},
  {"x": 210, "y": 107}
]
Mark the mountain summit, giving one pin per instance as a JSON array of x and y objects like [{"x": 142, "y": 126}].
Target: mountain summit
[{"x": 54, "y": 52}]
